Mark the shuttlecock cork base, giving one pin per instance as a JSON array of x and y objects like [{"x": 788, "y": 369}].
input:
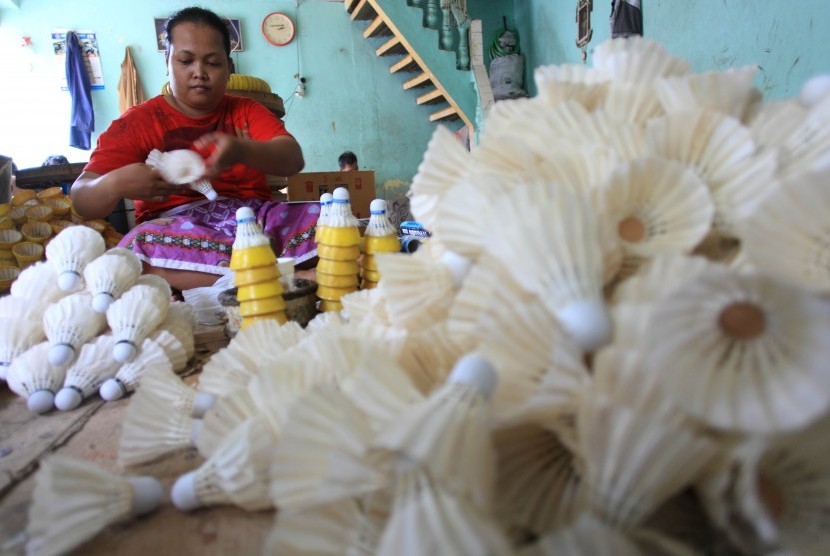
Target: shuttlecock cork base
[
  {"x": 255, "y": 272},
  {"x": 381, "y": 237},
  {"x": 338, "y": 240}
]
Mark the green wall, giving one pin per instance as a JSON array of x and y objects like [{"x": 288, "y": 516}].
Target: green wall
[
  {"x": 352, "y": 102},
  {"x": 788, "y": 40}
]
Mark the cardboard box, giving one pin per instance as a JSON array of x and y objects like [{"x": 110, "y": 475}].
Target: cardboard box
[{"x": 308, "y": 186}]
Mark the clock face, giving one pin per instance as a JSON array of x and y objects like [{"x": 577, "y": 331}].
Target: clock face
[{"x": 278, "y": 29}]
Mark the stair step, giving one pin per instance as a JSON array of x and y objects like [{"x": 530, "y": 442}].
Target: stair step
[
  {"x": 407, "y": 64},
  {"x": 377, "y": 28},
  {"x": 391, "y": 47},
  {"x": 418, "y": 82},
  {"x": 363, "y": 11},
  {"x": 433, "y": 97},
  {"x": 446, "y": 114},
  {"x": 349, "y": 5}
]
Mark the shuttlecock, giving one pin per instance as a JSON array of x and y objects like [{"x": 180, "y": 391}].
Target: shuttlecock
[
  {"x": 133, "y": 317},
  {"x": 449, "y": 433},
  {"x": 237, "y": 473},
  {"x": 129, "y": 375},
  {"x": 70, "y": 251},
  {"x": 110, "y": 275},
  {"x": 73, "y": 500},
  {"x": 158, "y": 419},
  {"x": 93, "y": 366},
  {"x": 38, "y": 281},
  {"x": 183, "y": 167},
  {"x": 33, "y": 377},
  {"x": 70, "y": 323},
  {"x": 17, "y": 336}
]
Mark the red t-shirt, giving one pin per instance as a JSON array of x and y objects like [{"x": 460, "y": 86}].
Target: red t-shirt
[{"x": 157, "y": 125}]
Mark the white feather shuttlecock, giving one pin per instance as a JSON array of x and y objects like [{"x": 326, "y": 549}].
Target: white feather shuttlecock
[
  {"x": 175, "y": 350},
  {"x": 110, "y": 275},
  {"x": 428, "y": 520},
  {"x": 340, "y": 213},
  {"x": 774, "y": 122},
  {"x": 449, "y": 433},
  {"x": 222, "y": 415},
  {"x": 157, "y": 282},
  {"x": 226, "y": 371},
  {"x": 570, "y": 276},
  {"x": 205, "y": 188},
  {"x": 815, "y": 90},
  {"x": 134, "y": 316},
  {"x": 23, "y": 309},
  {"x": 333, "y": 530},
  {"x": 655, "y": 206},
  {"x": 730, "y": 92},
  {"x": 237, "y": 473},
  {"x": 70, "y": 251},
  {"x": 84, "y": 377},
  {"x": 38, "y": 281},
  {"x": 158, "y": 419},
  {"x": 637, "y": 60},
  {"x": 379, "y": 223},
  {"x": 615, "y": 444},
  {"x": 742, "y": 352},
  {"x": 33, "y": 377},
  {"x": 538, "y": 485},
  {"x": 787, "y": 235},
  {"x": 73, "y": 500},
  {"x": 17, "y": 336},
  {"x": 325, "y": 207},
  {"x": 130, "y": 374},
  {"x": 182, "y": 167},
  {"x": 70, "y": 323},
  {"x": 419, "y": 288},
  {"x": 632, "y": 104},
  {"x": 768, "y": 495},
  {"x": 562, "y": 83},
  {"x": 248, "y": 232},
  {"x": 321, "y": 457},
  {"x": 445, "y": 163}
]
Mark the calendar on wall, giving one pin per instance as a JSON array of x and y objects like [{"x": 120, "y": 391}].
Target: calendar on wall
[{"x": 92, "y": 56}]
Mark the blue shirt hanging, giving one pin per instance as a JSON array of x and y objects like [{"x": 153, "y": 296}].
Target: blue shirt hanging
[{"x": 82, "y": 118}]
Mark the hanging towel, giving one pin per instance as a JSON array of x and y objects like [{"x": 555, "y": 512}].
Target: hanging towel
[
  {"x": 626, "y": 18},
  {"x": 82, "y": 119},
  {"x": 130, "y": 92}
]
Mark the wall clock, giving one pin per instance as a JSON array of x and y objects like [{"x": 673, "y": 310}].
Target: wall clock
[{"x": 278, "y": 29}]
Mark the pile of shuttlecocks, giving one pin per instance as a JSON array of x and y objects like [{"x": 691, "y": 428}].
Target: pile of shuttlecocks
[
  {"x": 615, "y": 342},
  {"x": 85, "y": 321}
]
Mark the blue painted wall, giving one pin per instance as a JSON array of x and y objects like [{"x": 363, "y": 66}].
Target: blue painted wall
[
  {"x": 352, "y": 101},
  {"x": 788, "y": 40}
]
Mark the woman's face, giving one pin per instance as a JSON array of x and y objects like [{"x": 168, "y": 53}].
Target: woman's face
[{"x": 198, "y": 68}]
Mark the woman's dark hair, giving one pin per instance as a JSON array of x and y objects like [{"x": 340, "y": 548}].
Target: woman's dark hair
[{"x": 197, "y": 15}]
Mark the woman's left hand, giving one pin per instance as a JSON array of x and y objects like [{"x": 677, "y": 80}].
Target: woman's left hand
[{"x": 225, "y": 150}]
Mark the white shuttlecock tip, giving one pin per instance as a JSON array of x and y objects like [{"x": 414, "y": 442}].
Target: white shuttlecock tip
[
  {"x": 69, "y": 280},
  {"x": 147, "y": 494},
  {"x": 326, "y": 197},
  {"x": 41, "y": 401},
  {"x": 377, "y": 206},
  {"x": 123, "y": 351},
  {"x": 245, "y": 214},
  {"x": 201, "y": 404},
  {"x": 476, "y": 371},
  {"x": 195, "y": 431},
  {"x": 815, "y": 90},
  {"x": 587, "y": 322},
  {"x": 68, "y": 398},
  {"x": 341, "y": 194},
  {"x": 211, "y": 195},
  {"x": 101, "y": 302},
  {"x": 458, "y": 265},
  {"x": 183, "y": 494},
  {"x": 112, "y": 390},
  {"x": 61, "y": 354}
]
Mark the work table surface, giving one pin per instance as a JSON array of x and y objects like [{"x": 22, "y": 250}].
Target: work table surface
[{"x": 92, "y": 432}]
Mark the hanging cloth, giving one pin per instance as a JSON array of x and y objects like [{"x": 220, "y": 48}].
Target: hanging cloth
[
  {"x": 82, "y": 119},
  {"x": 626, "y": 18},
  {"x": 130, "y": 92}
]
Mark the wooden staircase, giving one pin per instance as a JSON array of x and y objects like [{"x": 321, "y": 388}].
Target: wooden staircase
[{"x": 406, "y": 59}]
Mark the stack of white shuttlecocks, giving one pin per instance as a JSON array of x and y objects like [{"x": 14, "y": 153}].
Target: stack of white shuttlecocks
[
  {"x": 615, "y": 342},
  {"x": 86, "y": 319}
]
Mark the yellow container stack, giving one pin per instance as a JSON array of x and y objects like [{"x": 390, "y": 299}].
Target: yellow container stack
[
  {"x": 381, "y": 237},
  {"x": 256, "y": 275},
  {"x": 337, "y": 250}
]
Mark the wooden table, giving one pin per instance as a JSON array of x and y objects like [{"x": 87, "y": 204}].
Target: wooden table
[{"x": 92, "y": 432}]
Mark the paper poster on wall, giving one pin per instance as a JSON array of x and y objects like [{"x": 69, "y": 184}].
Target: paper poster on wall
[{"x": 92, "y": 57}]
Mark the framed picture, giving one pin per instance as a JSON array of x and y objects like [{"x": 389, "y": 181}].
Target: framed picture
[{"x": 234, "y": 28}]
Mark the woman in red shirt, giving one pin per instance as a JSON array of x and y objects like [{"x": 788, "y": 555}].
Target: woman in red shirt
[{"x": 180, "y": 235}]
